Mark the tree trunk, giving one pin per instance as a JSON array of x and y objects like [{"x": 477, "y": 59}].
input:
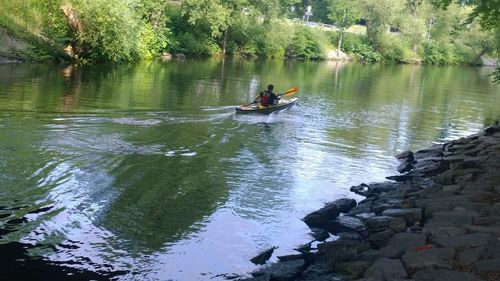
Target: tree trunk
[
  {"x": 72, "y": 18},
  {"x": 224, "y": 42},
  {"x": 478, "y": 57},
  {"x": 339, "y": 44}
]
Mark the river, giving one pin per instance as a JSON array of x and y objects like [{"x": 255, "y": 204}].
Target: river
[{"x": 146, "y": 170}]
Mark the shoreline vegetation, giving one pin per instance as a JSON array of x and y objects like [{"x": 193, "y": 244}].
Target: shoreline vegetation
[
  {"x": 403, "y": 31},
  {"x": 437, "y": 220}
]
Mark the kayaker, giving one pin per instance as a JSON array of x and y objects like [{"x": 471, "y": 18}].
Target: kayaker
[{"x": 267, "y": 97}]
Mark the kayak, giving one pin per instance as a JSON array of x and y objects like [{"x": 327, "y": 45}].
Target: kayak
[{"x": 257, "y": 108}]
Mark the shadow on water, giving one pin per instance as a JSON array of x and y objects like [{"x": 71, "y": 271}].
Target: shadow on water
[{"x": 19, "y": 263}]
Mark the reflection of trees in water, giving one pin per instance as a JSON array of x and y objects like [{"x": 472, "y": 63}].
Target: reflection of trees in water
[{"x": 162, "y": 198}]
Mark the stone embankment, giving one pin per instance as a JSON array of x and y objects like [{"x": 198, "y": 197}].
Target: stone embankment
[{"x": 438, "y": 220}]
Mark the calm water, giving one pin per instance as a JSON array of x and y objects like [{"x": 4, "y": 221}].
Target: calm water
[{"x": 146, "y": 168}]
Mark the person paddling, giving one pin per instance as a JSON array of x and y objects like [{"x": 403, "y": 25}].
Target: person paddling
[{"x": 267, "y": 97}]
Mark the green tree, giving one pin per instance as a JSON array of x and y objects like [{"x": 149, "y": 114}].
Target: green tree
[
  {"x": 379, "y": 15},
  {"x": 103, "y": 29},
  {"x": 343, "y": 13},
  {"x": 488, "y": 13}
]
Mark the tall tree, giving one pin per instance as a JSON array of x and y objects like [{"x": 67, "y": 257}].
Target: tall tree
[
  {"x": 488, "y": 13},
  {"x": 378, "y": 15},
  {"x": 343, "y": 13}
]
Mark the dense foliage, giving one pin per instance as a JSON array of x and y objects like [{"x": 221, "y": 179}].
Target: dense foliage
[{"x": 370, "y": 31}]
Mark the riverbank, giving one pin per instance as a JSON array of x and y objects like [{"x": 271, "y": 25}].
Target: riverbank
[{"x": 438, "y": 220}]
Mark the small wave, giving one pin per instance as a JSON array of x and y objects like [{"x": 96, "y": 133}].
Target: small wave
[{"x": 138, "y": 122}]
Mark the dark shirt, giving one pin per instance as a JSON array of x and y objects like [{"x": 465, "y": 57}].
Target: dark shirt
[{"x": 272, "y": 98}]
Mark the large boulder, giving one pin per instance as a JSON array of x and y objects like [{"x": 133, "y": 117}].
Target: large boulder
[
  {"x": 424, "y": 258},
  {"x": 401, "y": 242},
  {"x": 443, "y": 274},
  {"x": 385, "y": 269},
  {"x": 345, "y": 224}
]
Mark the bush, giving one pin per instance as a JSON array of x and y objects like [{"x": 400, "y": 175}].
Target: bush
[
  {"x": 358, "y": 46},
  {"x": 393, "y": 48},
  {"x": 439, "y": 53},
  {"x": 304, "y": 45}
]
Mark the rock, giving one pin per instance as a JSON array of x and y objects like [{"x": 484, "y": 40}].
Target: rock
[
  {"x": 340, "y": 250},
  {"x": 180, "y": 56},
  {"x": 468, "y": 256},
  {"x": 443, "y": 274},
  {"x": 453, "y": 218},
  {"x": 320, "y": 272},
  {"x": 345, "y": 224},
  {"x": 263, "y": 257},
  {"x": 401, "y": 178},
  {"x": 434, "y": 232},
  {"x": 380, "y": 239},
  {"x": 361, "y": 189},
  {"x": 383, "y": 204},
  {"x": 401, "y": 242},
  {"x": 450, "y": 177},
  {"x": 406, "y": 156},
  {"x": 319, "y": 218},
  {"x": 319, "y": 234},
  {"x": 434, "y": 151},
  {"x": 281, "y": 270},
  {"x": 369, "y": 256},
  {"x": 491, "y": 130},
  {"x": 410, "y": 215},
  {"x": 381, "y": 223},
  {"x": 349, "y": 236},
  {"x": 166, "y": 56},
  {"x": 344, "y": 205},
  {"x": 386, "y": 269},
  {"x": 291, "y": 257},
  {"x": 354, "y": 269},
  {"x": 485, "y": 266},
  {"x": 427, "y": 258},
  {"x": 466, "y": 240}
]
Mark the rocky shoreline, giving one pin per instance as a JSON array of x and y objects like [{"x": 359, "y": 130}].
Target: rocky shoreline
[{"x": 438, "y": 220}]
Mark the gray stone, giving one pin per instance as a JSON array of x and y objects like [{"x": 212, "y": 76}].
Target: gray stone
[
  {"x": 365, "y": 216},
  {"x": 369, "y": 256},
  {"x": 415, "y": 260},
  {"x": 354, "y": 269},
  {"x": 345, "y": 224},
  {"x": 401, "y": 242},
  {"x": 495, "y": 230},
  {"x": 443, "y": 274},
  {"x": 344, "y": 205},
  {"x": 452, "y": 188},
  {"x": 436, "y": 231},
  {"x": 385, "y": 203},
  {"x": 484, "y": 266},
  {"x": 450, "y": 176},
  {"x": 282, "y": 270},
  {"x": 379, "y": 240},
  {"x": 466, "y": 240},
  {"x": 486, "y": 221},
  {"x": 319, "y": 234},
  {"x": 320, "y": 272},
  {"x": 262, "y": 257},
  {"x": 411, "y": 215},
  {"x": 468, "y": 256},
  {"x": 380, "y": 223},
  {"x": 340, "y": 250},
  {"x": 386, "y": 270},
  {"x": 453, "y": 218},
  {"x": 320, "y": 217}
]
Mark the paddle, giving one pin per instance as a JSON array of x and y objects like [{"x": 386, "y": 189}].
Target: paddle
[{"x": 290, "y": 91}]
